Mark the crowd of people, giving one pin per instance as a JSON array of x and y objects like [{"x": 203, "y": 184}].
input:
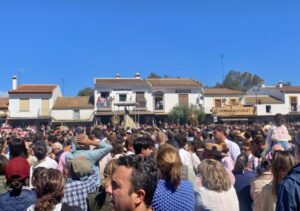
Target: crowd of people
[{"x": 151, "y": 167}]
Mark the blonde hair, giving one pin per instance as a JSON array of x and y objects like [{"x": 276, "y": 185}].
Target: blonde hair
[
  {"x": 169, "y": 164},
  {"x": 214, "y": 176},
  {"x": 108, "y": 172}
]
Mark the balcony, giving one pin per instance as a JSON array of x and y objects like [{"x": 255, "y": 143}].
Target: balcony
[{"x": 105, "y": 105}]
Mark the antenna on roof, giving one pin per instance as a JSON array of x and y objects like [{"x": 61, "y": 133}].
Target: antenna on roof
[
  {"x": 63, "y": 86},
  {"x": 20, "y": 70},
  {"x": 222, "y": 57}
]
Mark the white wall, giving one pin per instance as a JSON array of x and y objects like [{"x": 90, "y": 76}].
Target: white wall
[
  {"x": 67, "y": 114},
  {"x": 34, "y": 104},
  {"x": 209, "y": 102},
  {"x": 275, "y": 108}
]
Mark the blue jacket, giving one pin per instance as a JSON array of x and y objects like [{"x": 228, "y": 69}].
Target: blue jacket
[
  {"x": 288, "y": 194},
  {"x": 17, "y": 203}
]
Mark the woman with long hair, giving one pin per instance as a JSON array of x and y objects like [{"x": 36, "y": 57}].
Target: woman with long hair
[
  {"x": 50, "y": 186},
  {"x": 283, "y": 162},
  {"x": 214, "y": 190},
  {"x": 172, "y": 192}
]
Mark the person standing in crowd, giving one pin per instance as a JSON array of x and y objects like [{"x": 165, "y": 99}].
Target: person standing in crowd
[
  {"x": 143, "y": 146},
  {"x": 81, "y": 180},
  {"x": 278, "y": 134},
  {"x": 214, "y": 190},
  {"x": 3, "y": 163},
  {"x": 219, "y": 134},
  {"x": 252, "y": 160},
  {"x": 133, "y": 183},
  {"x": 50, "y": 192},
  {"x": 288, "y": 194},
  {"x": 19, "y": 196},
  {"x": 243, "y": 177},
  {"x": 256, "y": 186},
  {"x": 283, "y": 162},
  {"x": 172, "y": 193}
]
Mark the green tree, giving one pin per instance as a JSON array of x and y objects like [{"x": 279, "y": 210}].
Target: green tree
[
  {"x": 185, "y": 114},
  {"x": 153, "y": 75},
  {"x": 86, "y": 92},
  {"x": 240, "y": 81}
]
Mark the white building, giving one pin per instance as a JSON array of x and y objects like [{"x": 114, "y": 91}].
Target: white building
[
  {"x": 219, "y": 97},
  {"x": 3, "y": 109},
  {"x": 73, "y": 110},
  {"x": 275, "y": 99},
  {"x": 148, "y": 98},
  {"x": 31, "y": 103}
]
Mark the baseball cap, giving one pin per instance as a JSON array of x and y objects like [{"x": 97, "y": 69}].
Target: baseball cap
[{"x": 17, "y": 167}]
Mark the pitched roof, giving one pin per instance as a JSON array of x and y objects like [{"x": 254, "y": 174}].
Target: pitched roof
[
  {"x": 291, "y": 89},
  {"x": 251, "y": 100},
  {"x": 221, "y": 91},
  {"x": 73, "y": 102},
  {"x": 186, "y": 82},
  {"x": 4, "y": 103},
  {"x": 33, "y": 89},
  {"x": 120, "y": 81}
]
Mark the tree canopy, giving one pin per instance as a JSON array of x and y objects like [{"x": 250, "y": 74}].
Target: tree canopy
[
  {"x": 86, "y": 92},
  {"x": 240, "y": 81}
]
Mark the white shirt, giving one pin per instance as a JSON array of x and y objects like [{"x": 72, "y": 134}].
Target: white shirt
[
  {"x": 234, "y": 149},
  {"x": 186, "y": 158}
]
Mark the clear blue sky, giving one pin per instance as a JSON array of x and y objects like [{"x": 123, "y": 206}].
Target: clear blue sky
[{"x": 45, "y": 41}]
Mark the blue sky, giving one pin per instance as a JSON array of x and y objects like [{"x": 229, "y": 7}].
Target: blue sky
[{"x": 48, "y": 41}]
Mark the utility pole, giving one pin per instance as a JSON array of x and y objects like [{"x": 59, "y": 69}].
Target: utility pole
[
  {"x": 222, "y": 66},
  {"x": 63, "y": 86},
  {"x": 20, "y": 70}
]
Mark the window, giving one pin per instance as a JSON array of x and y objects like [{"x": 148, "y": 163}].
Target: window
[
  {"x": 268, "y": 109},
  {"x": 218, "y": 103},
  {"x": 293, "y": 103},
  {"x": 140, "y": 99},
  {"x": 183, "y": 99},
  {"x": 122, "y": 97},
  {"x": 24, "y": 104},
  {"x": 158, "y": 100},
  {"x": 76, "y": 114}
]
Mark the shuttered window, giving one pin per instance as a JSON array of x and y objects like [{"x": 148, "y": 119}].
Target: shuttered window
[
  {"x": 24, "y": 104},
  {"x": 183, "y": 99},
  {"x": 218, "y": 103}
]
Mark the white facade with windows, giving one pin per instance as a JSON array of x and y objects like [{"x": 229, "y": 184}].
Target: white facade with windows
[
  {"x": 32, "y": 101},
  {"x": 148, "y": 96}
]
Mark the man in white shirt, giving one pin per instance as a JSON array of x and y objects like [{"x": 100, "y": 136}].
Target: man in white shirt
[{"x": 219, "y": 134}]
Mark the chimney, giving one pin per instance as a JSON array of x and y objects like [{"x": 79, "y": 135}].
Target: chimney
[
  {"x": 137, "y": 76},
  {"x": 280, "y": 84},
  {"x": 14, "y": 82},
  {"x": 117, "y": 76}
]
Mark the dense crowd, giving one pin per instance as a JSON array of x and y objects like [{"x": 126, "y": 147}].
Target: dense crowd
[{"x": 151, "y": 167}]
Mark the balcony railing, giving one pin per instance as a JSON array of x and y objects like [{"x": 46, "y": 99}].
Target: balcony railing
[{"x": 104, "y": 105}]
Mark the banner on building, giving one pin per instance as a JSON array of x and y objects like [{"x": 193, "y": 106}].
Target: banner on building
[{"x": 234, "y": 110}]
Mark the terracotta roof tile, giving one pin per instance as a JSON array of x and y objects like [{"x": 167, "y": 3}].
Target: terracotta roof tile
[
  {"x": 4, "y": 103},
  {"x": 291, "y": 89},
  {"x": 120, "y": 81},
  {"x": 73, "y": 102},
  {"x": 188, "y": 82},
  {"x": 251, "y": 100},
  {"x": 33, "y": 88},
  {"x": 221, "y": 91}
]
